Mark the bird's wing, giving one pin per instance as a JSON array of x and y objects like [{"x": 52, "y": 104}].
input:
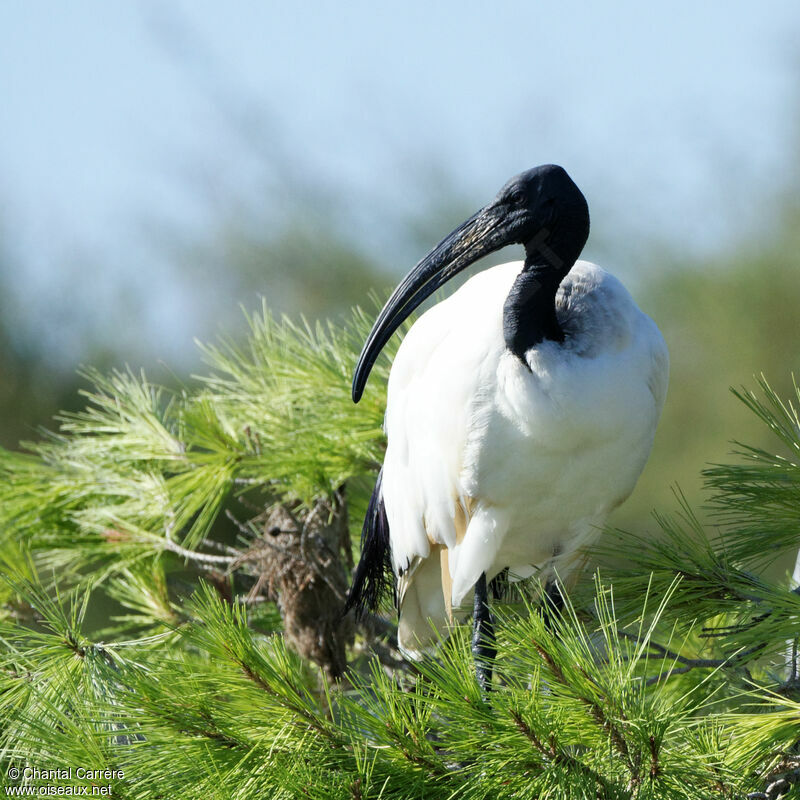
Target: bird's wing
[{"x": 434, "y": 385}]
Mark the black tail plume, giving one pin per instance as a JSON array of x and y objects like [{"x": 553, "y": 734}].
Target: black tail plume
[{"x": 373, "y": 575}]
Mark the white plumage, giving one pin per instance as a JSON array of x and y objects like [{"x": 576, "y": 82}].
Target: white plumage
[
  {"x": 520, "y": 412},
  {"x": 491, "y": 463}
]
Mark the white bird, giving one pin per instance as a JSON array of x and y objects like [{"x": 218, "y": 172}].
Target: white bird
[{"x": 520, "y": 411}]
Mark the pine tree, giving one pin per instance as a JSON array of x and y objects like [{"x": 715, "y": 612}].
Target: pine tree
[{"x": 174, "y": 565}]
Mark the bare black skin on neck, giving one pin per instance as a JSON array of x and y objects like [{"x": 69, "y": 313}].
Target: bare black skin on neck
[{"x": 529, "y": 312}]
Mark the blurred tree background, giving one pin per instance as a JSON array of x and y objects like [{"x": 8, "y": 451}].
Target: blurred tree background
[
  {"x": 726, "y": 316},
  {"x": 314, "y": 246}
]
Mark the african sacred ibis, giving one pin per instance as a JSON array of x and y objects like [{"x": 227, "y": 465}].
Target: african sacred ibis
[{"x": 520, "y": 412}]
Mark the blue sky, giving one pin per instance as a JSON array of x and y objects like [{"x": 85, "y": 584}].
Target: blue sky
[{"x": 676, "y": 119}]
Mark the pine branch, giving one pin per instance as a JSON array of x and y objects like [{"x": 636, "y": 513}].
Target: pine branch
[{"x": 621, "y": 697}]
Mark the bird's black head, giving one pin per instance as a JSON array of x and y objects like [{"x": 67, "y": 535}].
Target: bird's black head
[
  {"x": 541, "y": 209},
  {"x": 544, "y": 210}
]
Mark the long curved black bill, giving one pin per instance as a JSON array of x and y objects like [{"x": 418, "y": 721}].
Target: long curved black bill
[{"x": 480, "y": 235}]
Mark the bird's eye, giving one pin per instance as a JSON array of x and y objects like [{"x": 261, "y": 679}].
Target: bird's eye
[{"x": 516, "y": 197}]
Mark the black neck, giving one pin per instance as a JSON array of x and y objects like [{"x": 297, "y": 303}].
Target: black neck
[{"x": 529, "y": 313}]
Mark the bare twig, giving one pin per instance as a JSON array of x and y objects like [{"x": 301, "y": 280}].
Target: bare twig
[
  {"x": 192, "y": 555},
  {"x": 687, "y": 664}
]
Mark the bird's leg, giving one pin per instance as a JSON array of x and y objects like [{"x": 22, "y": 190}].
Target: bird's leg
[
  {"x": 553, "y": 603},
  {"x": 483, "y": 641}
]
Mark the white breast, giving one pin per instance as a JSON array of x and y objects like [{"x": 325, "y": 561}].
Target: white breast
[{"x": 503, "y": 464}]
